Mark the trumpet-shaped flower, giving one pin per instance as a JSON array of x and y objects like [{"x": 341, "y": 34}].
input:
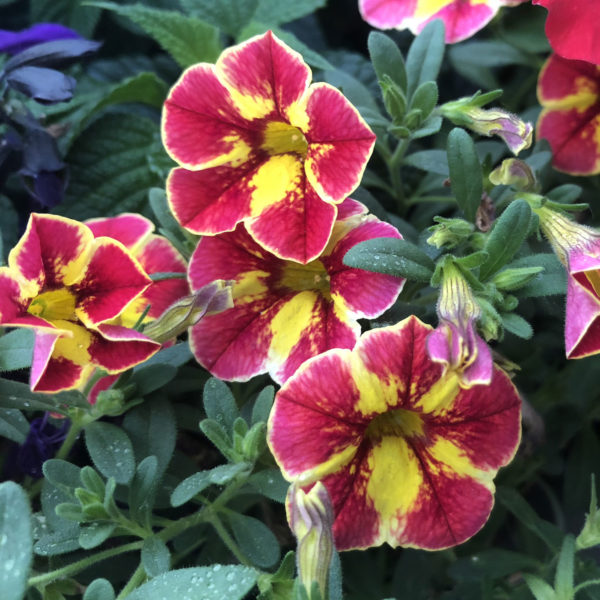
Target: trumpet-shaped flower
[
  {"x": 462, "y": 18},
  {"x": 407, "y": 455},
  {"x": 578, "y": 248},
  {"x": 455, "y": 343},
  {"x": 155, "y": 254},
  {"x": 68, "y": 286},
  {"x": 257, "y": 144},
  {"x": 284, "y": 312},
  {"x": 572, "y": 29},
  {"x": 569, "y": 92}
]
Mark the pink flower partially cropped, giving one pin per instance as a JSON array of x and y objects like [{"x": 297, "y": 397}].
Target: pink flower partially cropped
[
  {"x": 454, "y": 343},
  {"x": 285, "y": 312},
  {"x": 155, "y": 254},
  {"x": 578, "y": 248},
  {"x": 68, "y": 286},
  {"x": 462, "y": 18},
  {"x": 572, "y": 28},
  {"x": 257, "y": 144},
  {"x": 569, "y": 92},
  {"x": 407, "y": 455}
]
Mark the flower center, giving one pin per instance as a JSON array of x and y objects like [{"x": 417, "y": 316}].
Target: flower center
[
  {"x": 312, "y": 276},
  {"x": 396, "y": 423},
  {"x": 281, "y": 138},
  {"x": 52, "y": 305}
]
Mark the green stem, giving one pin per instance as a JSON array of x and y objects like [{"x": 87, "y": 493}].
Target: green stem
[
  {"x": 71, "y": 438},
  {"x": 215, "y": 521},
  {"x": 75, "y": 567},
  {"x": 585, "y": 584},
  {"x": 394, "y": 169},
  {"x": 136, "y": 579}
]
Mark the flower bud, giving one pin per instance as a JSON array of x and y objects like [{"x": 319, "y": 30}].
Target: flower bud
[
  {"x": 393, "y": 99},
  {"x": 187, "y": 311},
  {"x": 449, "y": 232},
  {"x": 310, "y": 516},
  {"x": 513, "y": 172}
]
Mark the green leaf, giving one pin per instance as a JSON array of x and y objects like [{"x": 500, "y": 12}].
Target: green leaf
[
  {"x": 387, "y": 59},
  {"x": 156, "y": 558},
  {"x": 9, "y": 227},
  {"x": 219, "y": 403},
  {"x": 152, "y": 430},
  {"x": 207, "y": 583},
  {"x": 466, "y": 176},
  {"x": 270, "y": 483},
  {"x": 187, "y": 39},
  {"x": 99, "y": 589},
  {"x": 16, "y": 350},
  {"x": 493, "y": 563},
  {"x": 566, "y": 193},
  {"x": 430, "y": 126},
  {"x": 162, "y": 212},
  {"x": 563, "y": 581},
  {"x": 276, "y": 12},
  {"x": 433, "y": 161},
  {"x": 513, "y": 279},
  {"x": 143, "y": 488},
  {"x": 488, "y": 54},
  {"x": 13, "y": 425},
  {"x": 262, "y": 405},
  {"x": 113, "y": 165},
  {"x": 91, "y": 481},
  {"x": 176, "y": 355},
  {"x": 392, "y": 257},
  {"x": 231, "y": 16},
  {"x": 111, "y": 450},
  {"x": 425, "y": 98},
  {"x": 153, "y": 377},
  {"x": 71, "y": 13},
  {"x": 94, "y": 534},
  {"x": 14, "y": 394},
  {"x": 507, "y": 236},
  {"x": 216, "y": 433},
  {"x": 255, "y": 540},
  {"x": 539, "y": 588},
  {"x": 15, "y": 541},
  {"x": 425, "y": 55},
  {"x": 517, "y": 325},
  {"x": 196, "y": 483},
  {"x": 62, "y": 474}
]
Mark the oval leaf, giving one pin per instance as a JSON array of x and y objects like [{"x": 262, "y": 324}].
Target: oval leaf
[
  {"x": 111, "y": 451},
  {"x": 255, "y": 539}
]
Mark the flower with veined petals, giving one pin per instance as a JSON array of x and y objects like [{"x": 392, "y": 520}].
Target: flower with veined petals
[
  {"x": 578, "y": 248},
  {"x": 455, "y": 343},
  {"x": 67, "y": 286},
  {"x": 569, "y": 92},
  {"x": 407, "y": 455},
  {"x": 285, "y": 312},
  {"x": 257, "y": 144},
  {"x": 462, "y": 18},
  {"x": 572, "y": 28},
  {"x": 155, "y": 254}
]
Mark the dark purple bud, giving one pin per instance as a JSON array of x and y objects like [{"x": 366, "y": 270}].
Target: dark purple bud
[
  {"x": 46, "y": 86},
  {"x": 13, "y": 42}
]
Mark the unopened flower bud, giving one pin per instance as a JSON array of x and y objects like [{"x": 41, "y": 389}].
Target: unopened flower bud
[
  {"x": 394, "y": 99},
  {"x": 513, "y": 172},
  {"x": 449, "y": 232},
  {"x": 310, "y": 516},
  {"x": 187, "y": 311}
]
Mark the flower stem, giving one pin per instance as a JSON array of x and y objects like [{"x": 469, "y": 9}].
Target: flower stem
[
  {"x": 136, "y": 579},
  {"x": 75, "y": 567}
]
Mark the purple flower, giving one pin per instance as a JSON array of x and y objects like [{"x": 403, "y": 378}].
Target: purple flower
[{"x": 13, "y": 42}]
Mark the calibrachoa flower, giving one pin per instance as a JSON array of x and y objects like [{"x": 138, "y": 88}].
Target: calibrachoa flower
[
  {"x": 462, "y": 18},
  {"x": 578, "y": 248},
  {"x": 454, "y": 343},
  {"x": 569, "y": 92},
  {"x": 284, "y": 312},
  {"x": 155, "y": 254},
  {"x": 67, "y": 286},
  {"x": 407, "y": 455},
  {"x": 258, "y": 144},
  {"x": 572, "y": 28}
]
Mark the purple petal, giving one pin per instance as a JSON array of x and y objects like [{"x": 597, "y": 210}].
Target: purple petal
[{"x": 13, "y": 42}]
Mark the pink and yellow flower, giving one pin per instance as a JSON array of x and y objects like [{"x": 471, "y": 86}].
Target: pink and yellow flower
[
  {"x": 155, "y": 255},
  {"x": 68, "y": 286},
  {"x": 257, "y": 144},
  {"x": 285, "y": 312},
  {"x": 407, "y": 455},
  {"x": 455, "y": 343},
  {"x": 578, "y": 248},
  {"x": 572, "y": 28},
  {"x": 569, "y": 92},
  {"x": 462, "y": 18}
]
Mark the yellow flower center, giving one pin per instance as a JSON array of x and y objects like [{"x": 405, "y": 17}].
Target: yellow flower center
[
  {"x": 282, "y": 138},
  {"x": 594, "y": 278},
  {"x": 312, "y": 276},
  {"x": 396, "y": 423},
  {"x": 53, "y": 305}
]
